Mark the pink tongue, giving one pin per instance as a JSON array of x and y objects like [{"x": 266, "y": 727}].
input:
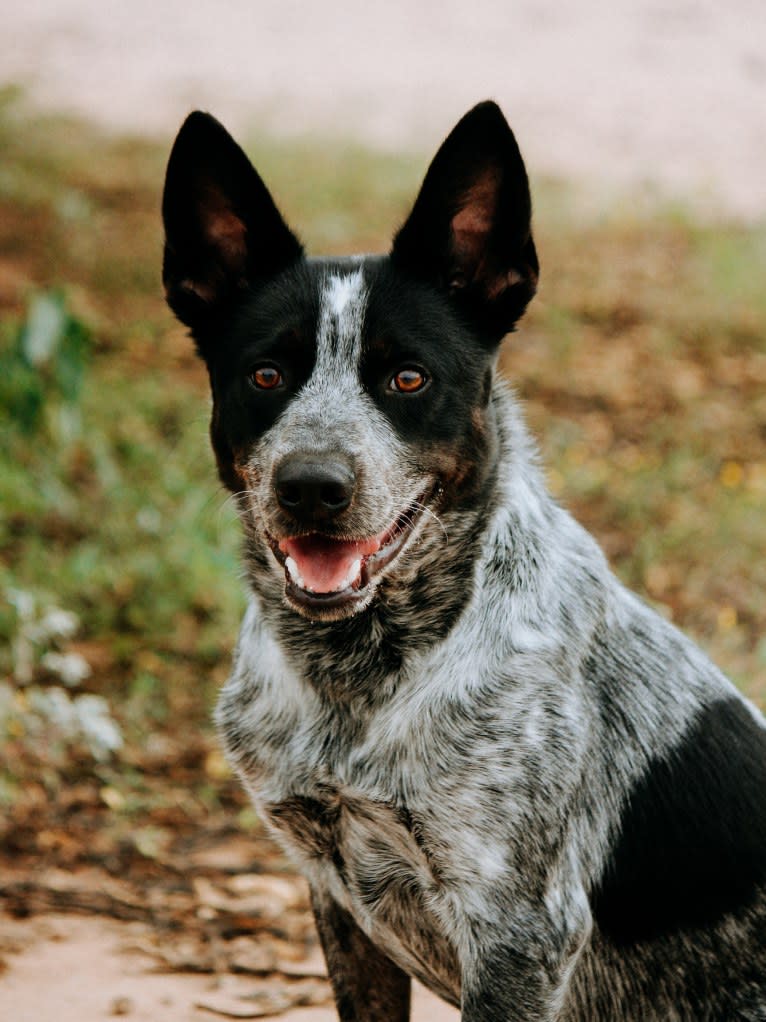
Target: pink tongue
[{"x": 324, "y": 564}]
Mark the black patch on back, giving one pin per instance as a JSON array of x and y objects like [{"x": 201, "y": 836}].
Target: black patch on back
[{"x": 692, "y": 843}]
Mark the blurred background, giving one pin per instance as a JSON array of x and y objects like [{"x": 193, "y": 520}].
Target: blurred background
[{"x": 642, "y": 364}]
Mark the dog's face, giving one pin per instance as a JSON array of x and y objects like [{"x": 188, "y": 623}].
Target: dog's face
[{"x": 350, "y": 397}]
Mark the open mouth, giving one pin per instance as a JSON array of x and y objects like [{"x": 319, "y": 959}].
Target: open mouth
[{"x": 323, "y": 572}]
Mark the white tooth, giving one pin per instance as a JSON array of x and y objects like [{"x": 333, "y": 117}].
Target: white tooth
[
  {"x": 292, "y": 571},
  {"x": 353, "y": 571}
]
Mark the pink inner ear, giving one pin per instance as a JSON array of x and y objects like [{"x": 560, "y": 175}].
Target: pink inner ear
[
  {"x": 222, "y": 228},
  {"x": 225, "y": 233},
  {"x": 472, "y": 224},
  {"x": 474, "y": 221},
  {"x": 479, "y": 205}
]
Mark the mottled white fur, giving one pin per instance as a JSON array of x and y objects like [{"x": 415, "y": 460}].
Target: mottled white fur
[{"x": 510, "y": 664}]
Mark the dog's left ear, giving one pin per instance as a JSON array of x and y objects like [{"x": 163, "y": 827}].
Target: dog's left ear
[
  {"x": 223, "y": 231},
  {"x": 469, "y": 231}
]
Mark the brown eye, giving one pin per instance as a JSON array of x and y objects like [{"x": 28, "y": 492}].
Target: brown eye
[
  {"x": 409, "y": 380},
  {"x": 265, "y": 377}
]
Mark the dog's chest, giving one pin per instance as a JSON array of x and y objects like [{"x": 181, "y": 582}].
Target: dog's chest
[
  {"x": 356, "y": 837},
  {"x": 372, "y": 857},
  {"x": 335, "y": 800}
]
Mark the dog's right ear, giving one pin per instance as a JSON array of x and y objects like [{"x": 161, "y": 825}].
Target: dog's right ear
[
  {"x": 469, "y": 232},
  {"x": 223, "y": 231}
]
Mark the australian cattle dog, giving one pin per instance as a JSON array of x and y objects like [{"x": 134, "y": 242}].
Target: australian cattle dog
[{"x": 501, "y": 772}]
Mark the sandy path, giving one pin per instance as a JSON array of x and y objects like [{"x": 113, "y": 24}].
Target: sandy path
[
  {"x": 87, "y": 969},
  {"x": 667, "y": 91}
]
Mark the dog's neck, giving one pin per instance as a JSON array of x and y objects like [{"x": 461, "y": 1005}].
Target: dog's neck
[{"x": 363, "y": 656}]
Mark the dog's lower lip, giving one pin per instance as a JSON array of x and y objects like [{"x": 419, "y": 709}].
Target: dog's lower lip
[{"x": 323, "y": 601}]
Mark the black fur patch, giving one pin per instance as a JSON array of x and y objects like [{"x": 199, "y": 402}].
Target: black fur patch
[
  {"x": 408, "y": 323},
  {"x": 692, "y": 843}
]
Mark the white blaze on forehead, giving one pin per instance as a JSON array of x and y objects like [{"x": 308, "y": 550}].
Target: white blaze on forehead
[
  {"x": 342, "y": 292},
  {"x": 341, "y": 314},
  {"x": 333, "y": 411}
]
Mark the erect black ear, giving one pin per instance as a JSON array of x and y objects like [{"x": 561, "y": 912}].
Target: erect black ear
[
  {"x": 222, "y": 229},
  {"x": 469, "y": 231}
]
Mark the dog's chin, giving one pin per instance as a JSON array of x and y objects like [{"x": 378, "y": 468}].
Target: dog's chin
[
  {"x": 329, "y": 578},
  {"x": 328, "y": 606}
]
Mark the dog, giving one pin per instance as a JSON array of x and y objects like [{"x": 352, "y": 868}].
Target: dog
[{"x": 501, "y": 773}]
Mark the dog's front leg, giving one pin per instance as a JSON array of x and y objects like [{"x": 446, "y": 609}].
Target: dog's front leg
[
  {"x": 507, "y": 987},
  {"x": 368, "y": 987},
  {"x": 520, "y": 971}
]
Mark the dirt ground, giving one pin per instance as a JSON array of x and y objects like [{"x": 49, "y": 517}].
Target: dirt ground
[
  {"x": 93, "y": 969},
  {"x": 216, "y": 926},
  {"x": 672, "y": 95}
]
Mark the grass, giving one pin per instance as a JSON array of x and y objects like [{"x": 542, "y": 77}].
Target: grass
[{"x": 642, "y": 363}]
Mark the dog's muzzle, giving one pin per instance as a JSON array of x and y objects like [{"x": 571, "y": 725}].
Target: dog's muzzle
[{"x": 328, "y": 571}]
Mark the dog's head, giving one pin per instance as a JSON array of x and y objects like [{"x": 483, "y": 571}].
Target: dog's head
[{"x": 350, "y": 397}]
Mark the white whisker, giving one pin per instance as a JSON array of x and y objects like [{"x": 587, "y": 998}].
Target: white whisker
[{"x": 424, "y": 509}]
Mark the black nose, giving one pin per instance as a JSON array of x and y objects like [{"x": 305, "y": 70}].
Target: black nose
[{"x": 314, "y": 490}]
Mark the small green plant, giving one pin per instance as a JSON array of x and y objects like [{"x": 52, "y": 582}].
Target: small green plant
[
  {"x": 44, "y": 367},
  {"x": 38, "y": 635},
  {"x": 46, "y": 721}
]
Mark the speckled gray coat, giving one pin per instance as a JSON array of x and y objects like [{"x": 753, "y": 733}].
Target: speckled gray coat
[{"x": 500, "y": 771}]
